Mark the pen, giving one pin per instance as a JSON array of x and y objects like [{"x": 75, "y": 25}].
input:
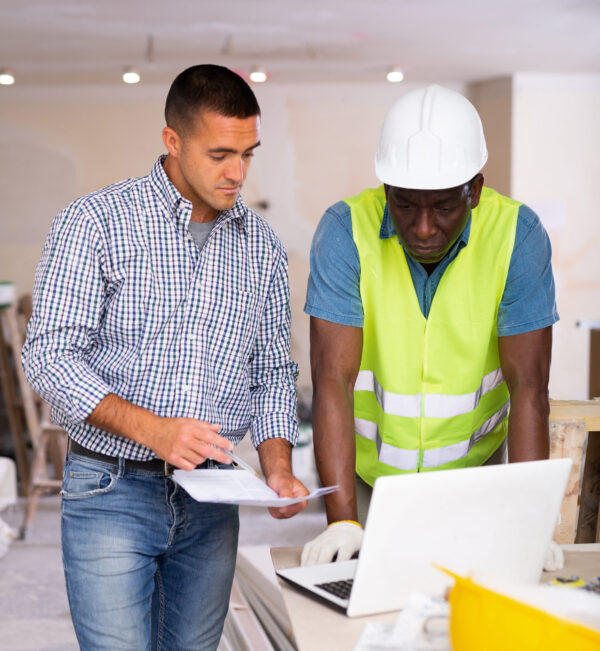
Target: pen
[{"x": 241, "y": 462}]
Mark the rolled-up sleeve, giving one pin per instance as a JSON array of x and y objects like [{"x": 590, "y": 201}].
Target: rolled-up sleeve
[
  {"x": 67, "y": 307},
  {"x": 272, "y": 373}
]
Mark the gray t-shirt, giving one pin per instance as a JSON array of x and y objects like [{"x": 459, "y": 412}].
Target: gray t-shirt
[{"x": 200, "y": 231}]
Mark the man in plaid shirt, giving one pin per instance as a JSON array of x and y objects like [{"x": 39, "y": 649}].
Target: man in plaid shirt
[{"x": 160, "y": 334}]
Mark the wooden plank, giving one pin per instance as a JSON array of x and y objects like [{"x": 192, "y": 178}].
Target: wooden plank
[
  {"x": 27, "y": 394},
  {"x": 569, "y": 439},
  {"x": 11, "y": 401},
  {"x": 587, "y": 410},
  {"x": 594, "y": 372},
  {"x": 589, "y": 503}
]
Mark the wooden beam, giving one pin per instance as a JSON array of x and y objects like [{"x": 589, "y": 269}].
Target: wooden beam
[
  {"x": 569, "y": 439},
  {"x": 8, "y": 389},
  {"x": 589, "y": 504},
  {"x": 587, "y": 410}
]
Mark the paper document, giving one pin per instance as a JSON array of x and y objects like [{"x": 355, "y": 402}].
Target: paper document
[{"x": 236, "y": 487}]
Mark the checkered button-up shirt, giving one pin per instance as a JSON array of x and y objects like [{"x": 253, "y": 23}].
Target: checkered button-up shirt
[{"x": 125, "y": 303}]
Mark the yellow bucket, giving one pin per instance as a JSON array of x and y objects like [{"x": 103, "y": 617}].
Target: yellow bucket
[{"x": 484, "y": 620}]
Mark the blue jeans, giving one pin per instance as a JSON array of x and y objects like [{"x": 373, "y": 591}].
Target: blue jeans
[{"x": 146, "y": 566}]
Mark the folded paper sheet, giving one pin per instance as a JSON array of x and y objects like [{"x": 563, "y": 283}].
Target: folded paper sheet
[{"x": 236, "y": 487}]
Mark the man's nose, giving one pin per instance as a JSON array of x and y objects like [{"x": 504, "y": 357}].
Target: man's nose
[
  {"x": 425, "y": 225},
  {"x": 235, "y": 170}
]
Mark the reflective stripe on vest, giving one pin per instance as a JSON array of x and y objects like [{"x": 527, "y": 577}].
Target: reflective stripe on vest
[
  {"x": 407, "y": 460},
  {"x": 389, "y": 454},
  {"x": 391, "y": 403},
  {"x": 449, "y": 453},
  {"x": 435, "y": 405}
]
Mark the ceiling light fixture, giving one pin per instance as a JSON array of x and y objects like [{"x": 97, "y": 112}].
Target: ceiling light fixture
[
  {"x": 6, "y": 77},
  {"x": 258, "y": 76},
  {"x": 131, "y": 76},
  {"x": 395, "y": 75}
]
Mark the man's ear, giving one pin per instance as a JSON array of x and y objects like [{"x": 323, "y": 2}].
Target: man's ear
[
  {"x": 476, "y": 187},
  {"x": 172, "y": 141}
]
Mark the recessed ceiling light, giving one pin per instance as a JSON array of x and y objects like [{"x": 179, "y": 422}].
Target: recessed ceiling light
[
  {"x": 258, "y": 76},
  {"x": 6, "y": 77},
  {"x": 395, "y": 75},
  {"x": 131, "y": 76}
]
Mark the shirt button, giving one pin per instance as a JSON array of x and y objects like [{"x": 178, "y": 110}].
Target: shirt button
[
  {"x": 192, "y": 336},
  {"x": 185, "y": 388}
]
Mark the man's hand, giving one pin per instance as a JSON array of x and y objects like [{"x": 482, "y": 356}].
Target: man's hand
[
  {"x": 341, "y": 538},
  {"x": 186, "y": 442},
  {"x": 286, "y": 485},
  {"x": 182, "y": 442},
  {"x": 276, "y": 462}
]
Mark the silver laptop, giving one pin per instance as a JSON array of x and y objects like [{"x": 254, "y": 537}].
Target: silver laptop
[{"x": 490, "y": 520}]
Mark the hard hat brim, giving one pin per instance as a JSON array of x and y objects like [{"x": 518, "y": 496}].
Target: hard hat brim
[{"x": 425, "y": 181}]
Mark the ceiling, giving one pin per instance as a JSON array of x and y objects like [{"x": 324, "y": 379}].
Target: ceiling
[{"x": 90, "y": 41}]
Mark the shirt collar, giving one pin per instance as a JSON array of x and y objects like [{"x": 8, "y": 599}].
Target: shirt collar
[
  {"x": 388, "y": 230},
  {"x": 178, "y": 207}
]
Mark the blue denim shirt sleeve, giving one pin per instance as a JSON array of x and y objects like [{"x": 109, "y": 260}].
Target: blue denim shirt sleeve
[
  {"x": 528, "y": 302},
  {"x": 333, "y": 292}
]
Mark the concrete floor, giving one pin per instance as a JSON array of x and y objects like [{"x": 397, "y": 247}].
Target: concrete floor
[{"x": 34, "y": 613}]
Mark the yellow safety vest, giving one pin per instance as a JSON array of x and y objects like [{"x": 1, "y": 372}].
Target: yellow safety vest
[{"x": 430, "y": 392}]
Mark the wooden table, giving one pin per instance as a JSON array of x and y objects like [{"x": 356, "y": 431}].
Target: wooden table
[
  {"x": 317, "y": 626},
  {"x": 575, "y": 433}
]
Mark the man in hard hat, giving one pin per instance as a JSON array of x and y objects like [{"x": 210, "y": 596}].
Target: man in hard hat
[{"x": 432, "y": 302}]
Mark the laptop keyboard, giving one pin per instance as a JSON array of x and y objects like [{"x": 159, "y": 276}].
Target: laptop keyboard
[{"x": 340, "y": 589}]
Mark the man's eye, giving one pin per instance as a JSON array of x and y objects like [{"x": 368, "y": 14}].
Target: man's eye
[
  {"x": 248, "y": 154},
  {"x": 217, "y": 158}
]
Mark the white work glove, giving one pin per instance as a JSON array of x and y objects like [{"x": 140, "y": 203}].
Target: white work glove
[
  {"x": 554, "y": 559},
  {"x": 343, "y": 538}
]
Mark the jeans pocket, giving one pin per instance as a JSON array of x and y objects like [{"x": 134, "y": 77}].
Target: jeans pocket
[{"x": 80, "y": 481}]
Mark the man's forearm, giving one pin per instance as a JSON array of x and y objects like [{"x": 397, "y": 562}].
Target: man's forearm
[
  {"x": 118, "y": 416},
  {"x": 183, "y": 442},
  {"x": 525, "y": 361},
  {"x": 528, "y": 433},
  {"x": 335, "y": 449},
  {"x": 335, "y": 360},
  {"x": 275, "y": 455}
]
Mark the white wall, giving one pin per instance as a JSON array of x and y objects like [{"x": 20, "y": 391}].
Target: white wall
[
  {"x": 58, "y": 144},
  {"x": 555, "y": 169}
]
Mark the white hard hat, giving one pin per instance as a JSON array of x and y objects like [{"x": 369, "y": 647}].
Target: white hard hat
[{"x": 431, "y": 139}]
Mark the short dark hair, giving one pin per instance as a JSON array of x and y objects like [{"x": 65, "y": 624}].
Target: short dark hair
[{"x": 208, "y": 87}]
